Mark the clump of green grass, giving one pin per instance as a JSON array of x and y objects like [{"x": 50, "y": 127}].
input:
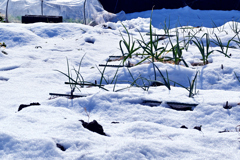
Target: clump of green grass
[
  {"x": 1, "y": 18},
  {"x": 79, "y": 80},
  {"x": 107, "y": 81},
  {"x": 129, "y": 45},
  {"x": 192, "y": 89},
  {"x": 3, "y": 45},
  {"x": 237, "y": 77},
  {"x": 219, "y": 43},
  {"x": 145, "y": 82},
  {"x": 166, "y": 81},
  {"x": 235, "y": 27},
  {"x": 73, "y": 83},
  {"x": 151, "y": 48},
  {"x": 220, "y": 29},
  {"x": 176, "y": 51},
  {"x": 205, "y": 53}
]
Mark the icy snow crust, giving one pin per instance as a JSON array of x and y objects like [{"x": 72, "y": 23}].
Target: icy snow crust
[{"x": 28, "y": 74}]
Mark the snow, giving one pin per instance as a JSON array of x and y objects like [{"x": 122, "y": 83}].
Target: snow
[{"x": 28, "y": 73}]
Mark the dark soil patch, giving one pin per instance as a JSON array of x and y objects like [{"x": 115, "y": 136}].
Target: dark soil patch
[
  {"x": 27, "y": 105},
  {"x": 93, "y": 126}
]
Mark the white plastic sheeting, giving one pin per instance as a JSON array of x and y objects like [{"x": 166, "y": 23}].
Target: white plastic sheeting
[{"x": 70, "y": 10}]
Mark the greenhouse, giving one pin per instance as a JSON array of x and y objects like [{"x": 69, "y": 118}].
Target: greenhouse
[{"x": 89, "y": 12}]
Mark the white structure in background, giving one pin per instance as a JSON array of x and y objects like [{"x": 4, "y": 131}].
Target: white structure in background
[{"x": 70, "y": 10}]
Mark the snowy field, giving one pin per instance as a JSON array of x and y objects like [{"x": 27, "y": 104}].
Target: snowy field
[{"x": 34, "y": 53}]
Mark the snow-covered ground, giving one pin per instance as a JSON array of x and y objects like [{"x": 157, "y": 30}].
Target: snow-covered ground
[{"x": 28, "y": 74}]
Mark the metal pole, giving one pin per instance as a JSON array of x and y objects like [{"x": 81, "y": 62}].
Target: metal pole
[
  {"x": 6, "y": 19},
  {"x": 84, "y": 12},
  {"x": 115, "y": 7},
  {"x": 42, "y": 8}
]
